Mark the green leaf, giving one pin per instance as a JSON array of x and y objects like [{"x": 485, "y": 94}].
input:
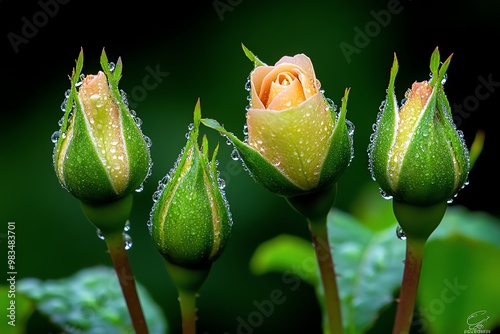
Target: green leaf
[
  {"x": 90, "y": 301},
  {"x": 459, "y": 273},
  {"x": 368, "y": 264},
  {"x": 14, "y": 322},
  {"x": 286, "y": 253}
]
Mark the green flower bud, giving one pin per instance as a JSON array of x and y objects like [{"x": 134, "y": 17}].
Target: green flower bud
[
  {"x": 190, "y": 221},
  {"x": 296, "y": 142},
  {"x": 416, "y": 153},
  {"x": 100, "y": 153}
]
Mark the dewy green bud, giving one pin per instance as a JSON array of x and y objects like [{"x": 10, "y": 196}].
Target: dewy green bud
[
  {"x": 100, "y": 152},
  {"x": 416, "y": 153},
  {"x": 190, "y": 221},
  {"x": 296, "y": 141}
]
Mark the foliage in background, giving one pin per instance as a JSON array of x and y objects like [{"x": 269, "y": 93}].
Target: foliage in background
[
  {"x": 369, "y": 260},
  {"x": 88, "y": 302}
]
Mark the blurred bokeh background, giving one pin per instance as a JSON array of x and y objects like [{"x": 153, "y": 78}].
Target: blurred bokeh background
[{"x": 195, "y": 50}]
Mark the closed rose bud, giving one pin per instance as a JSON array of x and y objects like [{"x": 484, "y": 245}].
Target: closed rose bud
[
  {"x": 101, "y": 154},
  {"x": 190, "y": 221},
  {"x": 416, "y": 154},
  {"x": 296, "y": 141}
]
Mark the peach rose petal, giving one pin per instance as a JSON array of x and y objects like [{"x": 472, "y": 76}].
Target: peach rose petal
[
  {"x": 104, "y": 122},
  {"x": 285, "y": 95},
  {"x": 270, "y": 77},
  {"x": 307, "y": 75}
]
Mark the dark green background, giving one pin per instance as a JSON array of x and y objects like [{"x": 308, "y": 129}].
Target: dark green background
[{"x": 201, "y": 50}]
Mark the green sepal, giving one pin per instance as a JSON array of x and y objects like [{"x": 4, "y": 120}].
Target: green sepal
[
  {"x": 427, "y": 174},
  {"x": 85, "y": 177},
  {"x": 385, "y": 133},
  {"x": 75, "y": 75},
  {"x": 256, "y": 61},
  {"x": 339, "y": 153},
  {"x": 259, "y": 167}
]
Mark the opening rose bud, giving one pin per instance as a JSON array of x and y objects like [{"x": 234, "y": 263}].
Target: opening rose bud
[
  {"x": 101, "y": 154},
  {"x": 417, "y": 155},
  {"x": 296, "y": 142},
  {"x": 190, "y": 221}
]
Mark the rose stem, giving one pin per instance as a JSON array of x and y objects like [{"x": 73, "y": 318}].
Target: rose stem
[
  {"x": 187, "y": 300},
  {"x": 409, "y": 285},
  {"x": 321, "y": 245},
  {"x": 116, "y": 248},
  {"x": 188, "y": 282}
]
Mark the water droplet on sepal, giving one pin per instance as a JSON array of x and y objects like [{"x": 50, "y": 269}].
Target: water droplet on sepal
[
  {"x": 99, "y": 234},
  {"x": 400, "y": 233}
]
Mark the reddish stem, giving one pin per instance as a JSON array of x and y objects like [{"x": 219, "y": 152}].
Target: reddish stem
[
  {"x": 116, "y": 248},
  {"x": 409, "y": 285}
]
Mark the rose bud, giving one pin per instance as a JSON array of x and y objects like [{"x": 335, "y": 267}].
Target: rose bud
[
  {"x": 101, "y": 154},
  {"x": 416, "y": 153},
  {"x": 190, "y": 221},
  {"x": 296, "y": 142}
]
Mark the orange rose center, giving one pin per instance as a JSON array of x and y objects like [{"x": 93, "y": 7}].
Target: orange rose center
[{"x": 286, "y": 91}]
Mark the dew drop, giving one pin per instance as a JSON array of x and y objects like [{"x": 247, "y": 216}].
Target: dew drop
[
  {"x": 99, "y": 234},
  {"x": 126, "y": 228},
  {"x": 128, "y": 241},
  {"x": 148, "y": 141},
  {"x": 55, "y": 136},
  {"x": 248, "y": 84},
  {"x": 400, "y": 233},
  {"x": 140, "y": 188},
  {"x": 235, "y": 155},
  {"x": 384, "y": 194},
  {"x": 63, "y": 105},
  {"x": 443, "y": 81},
  {"x": 112, "y": 66}
]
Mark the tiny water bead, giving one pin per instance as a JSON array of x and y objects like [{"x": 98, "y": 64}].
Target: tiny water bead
[
  {"x": 99, "y": 234},
  {"x": 55, "y": 136},
  {"x": 128, "y": 241},
  {"x": 400, "y": 233}
]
